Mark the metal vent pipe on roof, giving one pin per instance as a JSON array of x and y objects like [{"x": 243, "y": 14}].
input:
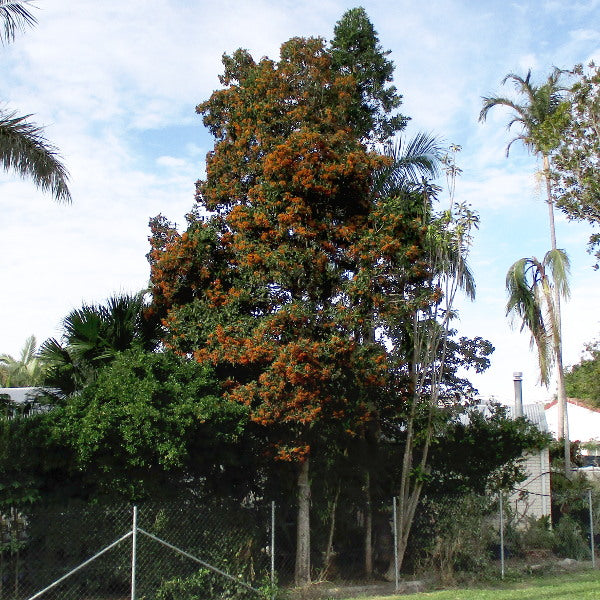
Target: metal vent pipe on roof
[{"x": 518, "y": 380}]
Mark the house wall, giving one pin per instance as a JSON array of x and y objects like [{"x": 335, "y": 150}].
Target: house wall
[
  {"x": 535, "y": 501},
  {"x": 584, "y": 423}
]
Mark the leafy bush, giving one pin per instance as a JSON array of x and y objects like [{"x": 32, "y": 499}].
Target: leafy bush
[
  {"x": 461, "y": 536},
  {"x": 536, "y": 536},
  {"x": 570, "y": 539}
]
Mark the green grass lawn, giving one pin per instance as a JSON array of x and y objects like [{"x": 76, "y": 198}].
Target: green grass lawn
[{"x": 567, "y": 586}]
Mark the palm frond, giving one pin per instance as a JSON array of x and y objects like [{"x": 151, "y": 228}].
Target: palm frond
[
  {"x": 51, "y": 351},
  {"x": 522, "y": 85},
  {"x": 29, "y": 349},
  {"x": 15, "y": 17},
  {"x": 527, "y": 301},
  {"x": 520, "y": 138},
  {"x": 24, "y": 149},
  {"x": 467, "y": 281},
  {"x": 560, "y": 267},
  {"x": 411, "y": 160},
  {"x": 519, "y": 81},
  {"x": 490, "y": 102}
]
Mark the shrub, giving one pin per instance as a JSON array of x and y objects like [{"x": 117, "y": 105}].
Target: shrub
[{"x": 570, "y": 540}]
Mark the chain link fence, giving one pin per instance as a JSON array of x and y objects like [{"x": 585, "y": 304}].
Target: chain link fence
[
  {"x": 192, "y": 548},
  {"x": 217, "y": 550}
]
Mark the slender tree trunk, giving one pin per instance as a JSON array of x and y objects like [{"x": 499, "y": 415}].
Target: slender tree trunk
[
  {"x": 368, "y": 527},
  {"x": 410, "y": 490},
  {"x": 302, "y": 571},
  {"x": 562, "y": 409},
  {"x": 328, "y": 557},
  {"x": 563, "y": 419},
  {"x": 549, "y": 200}
]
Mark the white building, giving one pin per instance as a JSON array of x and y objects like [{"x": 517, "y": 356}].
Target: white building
[
  {"x": 584, "y": 427},
  {"x": 532, "y": 496},
  {"x": 23, "y": 400}
]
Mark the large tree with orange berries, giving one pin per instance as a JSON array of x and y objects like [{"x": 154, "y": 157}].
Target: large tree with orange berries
[{"x": 280, "y": 281}]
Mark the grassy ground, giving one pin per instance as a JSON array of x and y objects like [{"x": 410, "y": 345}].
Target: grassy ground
[{"x": 567, "y": 586}]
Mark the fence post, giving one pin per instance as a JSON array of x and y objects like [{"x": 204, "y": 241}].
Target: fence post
[
  {"x": 395, "y": 544},
  {"x": 133, "y": 551},
  {"x": 273, "y": 549},
  {"x": 592, "y": 529},
  {"x": 501, "y": 535}
]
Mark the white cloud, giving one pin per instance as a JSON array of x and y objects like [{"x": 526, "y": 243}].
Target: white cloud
[
  {"x": 528, "y": 61},
  {"x": 171, "y": 162},
  {"x": 112, "y": 81},
  {"x": 584, "y": 35}
]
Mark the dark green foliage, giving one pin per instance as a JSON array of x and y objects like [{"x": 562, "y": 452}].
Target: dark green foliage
[
  {"x": 483, "y": 452},
  {"x": 583, "y": 379},
  {"x": 149, "y": 425},
  {"x": 356, "y": 51},
  {"x": 148, "y": 421},
  {"x": 570, "y": 539},
  {"x": 453, "y": 534},
  {"x": 32, "y": 465},
  {"x": 537, "y": 536},
  {"x": 575, "y": 164},
  {"x": 471, "y": 354}
]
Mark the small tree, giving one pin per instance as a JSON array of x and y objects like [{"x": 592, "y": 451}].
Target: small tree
[
  {"x": 576, "y": 162},
  {"x": 26, "y": 371},
  {"x": 426, "y": 339},
  {"x": 582, "y": 380},
  {"x": 533, "y": 287}
]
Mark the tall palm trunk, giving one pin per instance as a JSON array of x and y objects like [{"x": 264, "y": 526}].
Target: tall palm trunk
[{"x": 563, "y": 419}]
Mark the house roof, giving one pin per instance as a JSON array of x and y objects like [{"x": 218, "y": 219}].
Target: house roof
[
  {"x": 534, "y": 413},
  {"x": 22, "y": 394},
  {"x": 574, "y": 402}
]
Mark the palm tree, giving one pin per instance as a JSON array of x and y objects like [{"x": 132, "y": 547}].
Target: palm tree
[
  {"x": 421, "y": 337},
  {"x": 533, "y": 287},
  {"x": 14, "y": 16},
  {"x": 92, "y": 337},
  {"x": 540, "y": 134},
  {"x": 534, "y": 116},
  {"x": 23, "y": 147},
  {"x": 26, "y": 371}
]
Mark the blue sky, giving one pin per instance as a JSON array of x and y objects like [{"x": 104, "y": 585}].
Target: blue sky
[{"x": 116, "y": 84}]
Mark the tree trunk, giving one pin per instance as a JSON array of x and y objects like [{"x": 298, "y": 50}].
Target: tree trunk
[
  {"x": 328, "y": 556},
  {"x": 563, "y": 419},
  {"x": 562, "y": 411},
  {"x": 368, "y": 527},
  {"x": 302, "y": 571}
]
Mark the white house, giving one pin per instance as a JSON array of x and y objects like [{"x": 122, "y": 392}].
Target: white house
[
  {"x": 532, "y": 496},
  {"x": 584, "y": 426}
]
